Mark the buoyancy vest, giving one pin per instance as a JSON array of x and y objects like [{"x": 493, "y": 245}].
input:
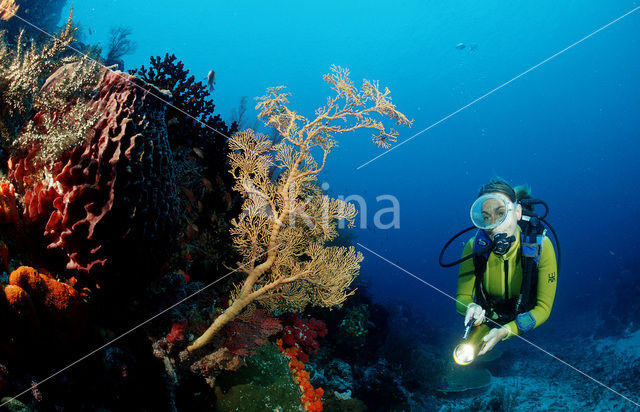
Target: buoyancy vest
[{"x": 532, "y": 235}]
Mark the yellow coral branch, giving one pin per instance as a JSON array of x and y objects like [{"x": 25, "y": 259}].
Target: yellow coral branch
[
  {"x": 7, "y": 9},
  {"x": 286, "y": 222}
]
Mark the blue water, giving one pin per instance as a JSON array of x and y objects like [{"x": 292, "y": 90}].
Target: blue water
[{"x": 568, "y": 127}]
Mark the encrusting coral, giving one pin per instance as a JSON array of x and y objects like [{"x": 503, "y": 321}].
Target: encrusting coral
[{"x": 286, "y": 219}]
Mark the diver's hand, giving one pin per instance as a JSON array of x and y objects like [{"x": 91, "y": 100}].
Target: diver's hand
[
  {"x": 494, "y": 336},
  {"x": 474, "y": 311}
]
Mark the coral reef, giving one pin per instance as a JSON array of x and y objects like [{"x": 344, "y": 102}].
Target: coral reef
[
  {"x": 286, "y": 219},
  {"x": 377, "y": 376},
  {"x": 120, "y": 45},
  {"x": 23, "y": 69},
  {"x": 354, "y": 325},
  {"x": 246, "y": 333},
  {"x": 198, "y": 139},
  {"x": 8, "y": 207},
  {"x": 211, "y": 365},
  {"x": 190, "y": 119},
  {"x": 263, "y": 384},
  {"x": 90, "y": 215}
]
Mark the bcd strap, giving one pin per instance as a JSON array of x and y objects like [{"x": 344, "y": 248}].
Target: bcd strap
[{"x": 531, "y": 241}]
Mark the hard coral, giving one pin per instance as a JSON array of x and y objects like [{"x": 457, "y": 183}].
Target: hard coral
[
  {"x": 113, "y": 196},
  {"x": 190, "y": 118}
]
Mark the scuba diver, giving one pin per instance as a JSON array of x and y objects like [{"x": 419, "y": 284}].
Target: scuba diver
[{"x": 508, "y": 273}]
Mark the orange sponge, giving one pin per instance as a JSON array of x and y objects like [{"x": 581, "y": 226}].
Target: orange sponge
[{"x": 60, "y": 303}]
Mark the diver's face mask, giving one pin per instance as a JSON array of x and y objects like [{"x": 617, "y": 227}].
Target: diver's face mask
[{"x": 491, "y": 211}]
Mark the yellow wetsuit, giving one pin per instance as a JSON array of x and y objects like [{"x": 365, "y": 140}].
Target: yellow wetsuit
[{"x": 494, "y": 280}]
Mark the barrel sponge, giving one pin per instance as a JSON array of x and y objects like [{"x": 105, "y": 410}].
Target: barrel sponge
[{"x": 112, "y": 197}]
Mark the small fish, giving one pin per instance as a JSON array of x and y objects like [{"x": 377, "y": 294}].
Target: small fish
[
  {"x": 173, "y": 121},
  {"x": 199, "y": 152},
  {"x": 189, "y": 194},
  {"x": 191, "y": 231},
  {"x": 460, "y": 46},
  {"x": 207, "y": 184},
  {"x": 211, "y": 80}
]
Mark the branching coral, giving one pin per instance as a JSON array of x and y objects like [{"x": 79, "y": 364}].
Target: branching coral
[
  {"x": 63, "y": 118},
  {"x": 198, "y": 139},
  {"x": 7, "y": 9},
  {"x": 190, "y": 118},
  {"x": 286, "y": 221},
  {"x": 120, "y": 45},
  {"x": 22, "y": 71}
]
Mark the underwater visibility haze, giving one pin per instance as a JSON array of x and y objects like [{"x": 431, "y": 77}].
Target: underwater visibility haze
[{"x": 242, "y": 207}]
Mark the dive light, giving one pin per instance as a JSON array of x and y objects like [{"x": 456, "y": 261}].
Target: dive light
[{"x": 472, "y": 343}]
